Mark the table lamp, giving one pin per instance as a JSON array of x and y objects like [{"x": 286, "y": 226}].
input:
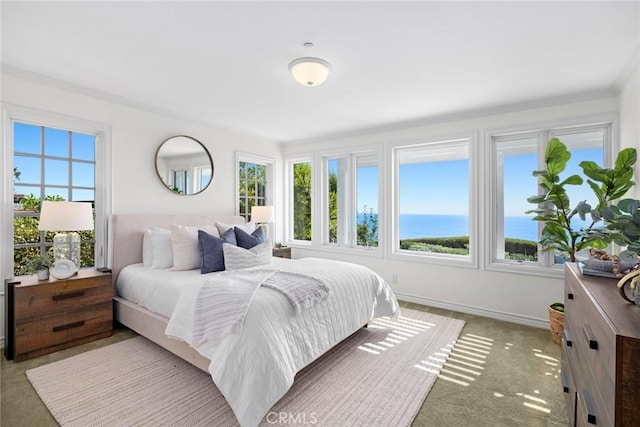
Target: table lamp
[
  {"x": 66, "y": 218},
  {"x": 262, "y": 215}
]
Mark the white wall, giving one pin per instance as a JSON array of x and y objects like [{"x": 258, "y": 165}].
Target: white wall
[
  {"x": 629, "y": 104},
  {"x": 505, "y": 295},
  {"x": 135, "y": 136}
]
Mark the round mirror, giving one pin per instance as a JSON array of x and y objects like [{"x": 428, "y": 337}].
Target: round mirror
[{"x": 184, "y": 165}]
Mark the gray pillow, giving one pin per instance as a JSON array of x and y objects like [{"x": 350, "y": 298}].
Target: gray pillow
[{"x": 211, "y": 250}]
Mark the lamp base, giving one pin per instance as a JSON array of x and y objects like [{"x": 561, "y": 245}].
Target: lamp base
[{"x": 67, "y": 246}]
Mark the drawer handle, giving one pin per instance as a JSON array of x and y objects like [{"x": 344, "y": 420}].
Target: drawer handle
[
  {"x": 570, "y": 295},
  {"x": 565, "y": 386},
  {"x": 68, "y": 295},
  {"x": 567, "y": 338},
  {"x": 68, "y": 326},
  {"x": 588, "y": 407},
  {"x": 588, "y": 334}
]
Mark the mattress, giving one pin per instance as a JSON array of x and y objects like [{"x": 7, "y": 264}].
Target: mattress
[{"x": 158, "y": 290}]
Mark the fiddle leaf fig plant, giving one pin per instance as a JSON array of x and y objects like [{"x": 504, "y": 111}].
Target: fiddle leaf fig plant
[
  {"x": 554, "y": 206},
  {"x": 623, "y": 224}
]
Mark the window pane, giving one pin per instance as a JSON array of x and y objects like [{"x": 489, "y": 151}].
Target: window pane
[
  {"x": 56, "y": 172},
  {"x": 519, "y": 236},
  {"x": 335, "y": 203},
  {"x": 29, "y": 168},
  {"x": 583, "y": 146},
  {"x": 26, "y": 138},
  {"x": 83, "y": 174},
  {"x": 83, "y": 146},
  {"x": 302, "y": 201},
  {"x": 79, "y": 195},
  {"x": 57, "y": 193},
  {"x": 56, "y": 142},
  {"x": 433, "y": 195},
  {"x": 367, "y": 200}
]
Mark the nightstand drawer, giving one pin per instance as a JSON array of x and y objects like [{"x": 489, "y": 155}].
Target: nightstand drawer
[
  {"x": 35, "y": 301},
  {"x": 66, "y": 326}
]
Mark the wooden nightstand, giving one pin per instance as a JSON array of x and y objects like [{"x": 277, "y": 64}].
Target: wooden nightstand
[
  {"x": 47, "y": 316},
  {"x": 282, "y": 252}
]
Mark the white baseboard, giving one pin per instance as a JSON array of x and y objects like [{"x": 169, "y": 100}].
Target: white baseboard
[{"x": 478, "y": 311}]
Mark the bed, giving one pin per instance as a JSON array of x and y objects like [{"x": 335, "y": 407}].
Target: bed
[{"x": 254, "y": 366}]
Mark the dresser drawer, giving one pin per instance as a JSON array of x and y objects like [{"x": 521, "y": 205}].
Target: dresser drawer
[
  {"x": 589, "y": 411},
  {"x": 568, "y": 385},
  {"x": 59, "y": 328},
  {"x": 35, "y": 301},
  {"x": 594, "y": 341}
]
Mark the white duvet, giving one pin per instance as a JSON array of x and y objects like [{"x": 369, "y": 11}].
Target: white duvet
[{"x": 254, "y": 368}]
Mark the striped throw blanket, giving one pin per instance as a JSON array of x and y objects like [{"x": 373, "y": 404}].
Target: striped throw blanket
[{"x": 223, "y": 301}]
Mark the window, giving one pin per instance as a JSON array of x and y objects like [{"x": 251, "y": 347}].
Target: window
[
  {"x": 300, "y": 200},
  {"x": 49, "y": 164},
  {"x": 432, "y": 199},
  {"x": 516, "y": 156},
  {"x": 252, "y": 184},
  {"x": 351, "y": 200}
]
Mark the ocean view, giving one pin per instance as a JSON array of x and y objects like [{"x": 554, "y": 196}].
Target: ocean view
[{"x": 413, "y": 226}]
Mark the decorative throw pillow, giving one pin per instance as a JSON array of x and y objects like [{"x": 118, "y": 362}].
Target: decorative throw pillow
[
  {"x": 236, "y": 258},
  {"x": 147, "y": 249},
  {"x": 246, "y": 240},
  {"x": 247, "y": 227},
  {"x": 186, "y": 252},
  {"x": 211, "y": 250},
  {"x": 161, "y": 248}
]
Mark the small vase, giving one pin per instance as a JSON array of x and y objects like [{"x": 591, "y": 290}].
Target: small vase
[{"x": 43, "y": 274}]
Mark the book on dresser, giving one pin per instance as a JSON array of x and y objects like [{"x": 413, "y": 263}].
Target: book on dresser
[
  {"x": 600, "y": 352},
  {"x": 51, "y": 315}
]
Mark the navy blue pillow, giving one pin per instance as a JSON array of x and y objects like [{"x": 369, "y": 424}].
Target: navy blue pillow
[
  {"x": 211, "y": 250},
  {"x": 246, "y": 240}
]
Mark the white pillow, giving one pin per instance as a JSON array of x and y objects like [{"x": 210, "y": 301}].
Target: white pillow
[
  {"x": 236, "y": 257},
  {"x": 161, "y": 248},
  {"x": 248, "y": 227},
  {"x": 186, "y": 252},
  {"x": 147, "y": 249}
]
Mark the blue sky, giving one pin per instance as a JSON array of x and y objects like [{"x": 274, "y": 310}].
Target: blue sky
[{"x": 442, "y": 188}]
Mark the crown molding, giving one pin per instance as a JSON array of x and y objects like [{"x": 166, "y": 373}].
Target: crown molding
[{"x": 121, "y": 100}]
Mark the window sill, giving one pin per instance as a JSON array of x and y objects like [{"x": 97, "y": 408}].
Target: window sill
[{"x": 527, "y": 269}]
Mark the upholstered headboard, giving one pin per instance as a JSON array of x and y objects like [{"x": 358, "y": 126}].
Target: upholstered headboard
[{"x": 126, "y": 231}]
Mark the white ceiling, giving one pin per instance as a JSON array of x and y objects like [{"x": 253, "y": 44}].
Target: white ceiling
[{"x": 226, "y": 63}]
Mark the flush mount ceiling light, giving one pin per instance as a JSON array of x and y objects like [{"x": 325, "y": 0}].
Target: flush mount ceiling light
[{"x": 310, "y": 71}]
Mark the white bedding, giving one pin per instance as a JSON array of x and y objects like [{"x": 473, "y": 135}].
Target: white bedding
[{"x": 255, "y": 368}]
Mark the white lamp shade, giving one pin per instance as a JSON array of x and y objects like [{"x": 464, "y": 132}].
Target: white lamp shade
[
  {"x": 262, "y": 214},
  {"x": 65, "y": 216},
  {"x": 310, "y": 71}
]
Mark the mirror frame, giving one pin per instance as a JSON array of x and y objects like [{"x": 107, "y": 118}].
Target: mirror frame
[{"x": 164, "y": 184}]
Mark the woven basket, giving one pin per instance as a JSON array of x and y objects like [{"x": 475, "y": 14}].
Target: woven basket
[{"x": 556, "y": 320}]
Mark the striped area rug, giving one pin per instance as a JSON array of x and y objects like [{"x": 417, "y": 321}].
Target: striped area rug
[{"x": 377, "y": 377}]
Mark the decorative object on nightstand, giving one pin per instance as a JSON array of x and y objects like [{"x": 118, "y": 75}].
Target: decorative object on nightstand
[
  {"x": 44, "y": 317},
  {"x": 63, "y": 217},
  {"x": 262, "y": 215},
  {"x": 282, "y": 252},
  {"x": 39, "y": 265}
]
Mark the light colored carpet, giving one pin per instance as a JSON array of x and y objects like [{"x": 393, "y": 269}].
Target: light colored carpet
[{"x": 377, "y": 377}]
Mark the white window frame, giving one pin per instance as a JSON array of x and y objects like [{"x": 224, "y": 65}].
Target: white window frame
[
  {"x": 288, "y": 179},
  {"x": 469, "y": 141},
  {"x": 347, "y": 221},
  {"x": 494, "y": 220},
  {"x": 103, "y": 177}
]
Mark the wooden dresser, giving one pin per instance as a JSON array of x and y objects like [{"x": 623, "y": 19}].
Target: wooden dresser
[
  {"x": 47, "y": 316},
  {"x": 600, "y": 353}
]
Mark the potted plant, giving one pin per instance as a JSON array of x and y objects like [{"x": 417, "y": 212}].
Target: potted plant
[
  {"x": 554, "y": 207},
  {"x": 40, "y": 265}
]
